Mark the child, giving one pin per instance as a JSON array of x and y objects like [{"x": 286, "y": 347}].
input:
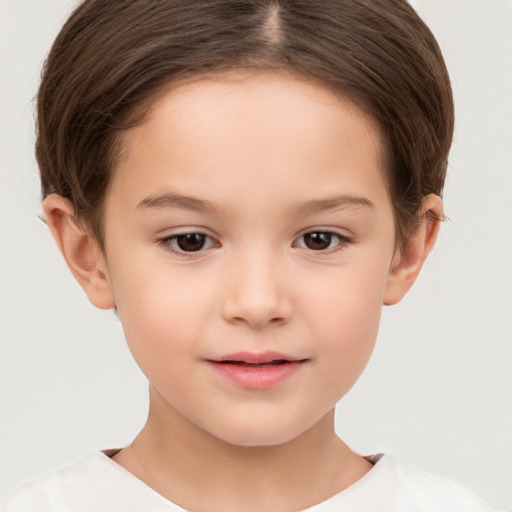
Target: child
[{"x": 246, "y": 183}]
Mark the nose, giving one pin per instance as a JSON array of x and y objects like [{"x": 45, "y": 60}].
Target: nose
[{"x": 256, "y": 292}]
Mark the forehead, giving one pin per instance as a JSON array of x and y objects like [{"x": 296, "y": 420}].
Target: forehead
[{"x": 255, "y": 126}]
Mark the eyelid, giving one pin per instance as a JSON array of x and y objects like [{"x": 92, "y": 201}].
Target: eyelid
[
  {"x": 166, "y": 242},
  {"x": 344, "y": 240}
]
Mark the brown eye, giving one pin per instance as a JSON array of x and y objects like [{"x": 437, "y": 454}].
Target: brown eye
[
  {"x": 190, "y": 242},
  {"x": 318, "y": 241},
  {"x": 322, "y": 240},
  {"x": 186, "y": 244}
]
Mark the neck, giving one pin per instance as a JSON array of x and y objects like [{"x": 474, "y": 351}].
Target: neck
[{"x": 176, "y": 458}]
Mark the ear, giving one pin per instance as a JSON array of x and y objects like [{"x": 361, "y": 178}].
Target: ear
[
  {"x": 80, "y": 250},
  {"x": 407, "y": 263}
]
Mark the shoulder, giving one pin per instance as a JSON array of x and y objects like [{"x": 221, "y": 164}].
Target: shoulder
[
  {"x": 94, "y": 484},
  {"x": 391, "y": 486},
  {"x": 411, "y": 489}
]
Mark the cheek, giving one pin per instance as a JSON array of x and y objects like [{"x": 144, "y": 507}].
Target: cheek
[
  {"x": 349, "y": 298},
  {"x": 350, "y": 331},
  {"x": 162, "y": 310},
  {"x": 346, "y": 314}
]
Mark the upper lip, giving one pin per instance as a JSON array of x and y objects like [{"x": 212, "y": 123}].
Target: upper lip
[{"x": 255, "y": 357}]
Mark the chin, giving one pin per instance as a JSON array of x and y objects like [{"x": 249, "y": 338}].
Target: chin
[
  {"x": 262, "y": 434},
  {"x": 258, "y": 441}
]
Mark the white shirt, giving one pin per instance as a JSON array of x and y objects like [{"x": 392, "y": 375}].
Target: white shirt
[{"x": 98, "y": 484}]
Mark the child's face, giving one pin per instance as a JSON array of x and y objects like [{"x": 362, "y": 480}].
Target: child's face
[{"x": 283, "y": 186}]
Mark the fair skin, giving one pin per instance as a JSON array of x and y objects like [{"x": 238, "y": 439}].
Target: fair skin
[{"x": 293, "y": 256}]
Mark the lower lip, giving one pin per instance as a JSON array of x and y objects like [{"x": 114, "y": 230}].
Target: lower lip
[{"x": 256, "y": 377}]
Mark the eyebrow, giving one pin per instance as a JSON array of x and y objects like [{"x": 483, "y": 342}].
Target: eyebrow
[
  {"x": 330, "y": 203},
  {"x": 171, "y": 200},
  {"x": 176, "y": 201}
]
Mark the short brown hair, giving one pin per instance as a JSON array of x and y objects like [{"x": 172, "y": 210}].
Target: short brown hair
[{"x": 111, "y": 57}]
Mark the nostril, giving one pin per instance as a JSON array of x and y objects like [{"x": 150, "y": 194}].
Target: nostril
[
  {"x": 257, "y": 320},
  {"x": 256, "y": 301}
]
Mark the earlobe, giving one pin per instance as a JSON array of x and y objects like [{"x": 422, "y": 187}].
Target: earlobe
[
  {"x": 80, "y": 250},
  {"x": 407, "y": 264}
]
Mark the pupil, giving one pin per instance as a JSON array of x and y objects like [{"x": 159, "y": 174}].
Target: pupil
[
  {"x": 318, "y": 241},
  {"x": 191, "y": 241}
]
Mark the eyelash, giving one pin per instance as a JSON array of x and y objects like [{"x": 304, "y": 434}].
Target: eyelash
[
  {"x": 343, "y": 240},
  {"x": 169, "y": 243}
]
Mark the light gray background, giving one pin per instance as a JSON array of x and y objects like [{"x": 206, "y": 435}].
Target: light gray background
[{"x": 438, "y": 390}]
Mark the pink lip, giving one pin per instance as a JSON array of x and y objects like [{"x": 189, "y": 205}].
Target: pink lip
[{"x": 256, "y": 370}]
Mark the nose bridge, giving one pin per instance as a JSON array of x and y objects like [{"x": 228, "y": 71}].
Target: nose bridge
[{"x": 256, "y": 290}]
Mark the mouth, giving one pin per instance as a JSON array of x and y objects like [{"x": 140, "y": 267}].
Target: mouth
[
  {"x": 273, "y": 362},
  {"x": 256, "y": 358},
  {"x": 256, "y": 370}
]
